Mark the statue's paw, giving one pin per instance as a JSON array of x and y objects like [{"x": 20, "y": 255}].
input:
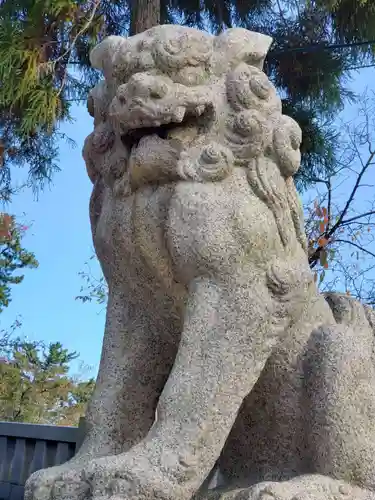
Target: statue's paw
[
  {"x": 129, "y": 477},
  {"x": 309, "y": 487},
  {"x": 63, "y": 482},
  {"x": 111, "y": 478}
]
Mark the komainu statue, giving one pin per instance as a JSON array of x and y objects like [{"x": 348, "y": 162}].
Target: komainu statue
[{"x": 218, "y": 350}]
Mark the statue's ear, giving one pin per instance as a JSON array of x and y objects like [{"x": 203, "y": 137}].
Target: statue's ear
[
  {"x": 238, "y": 45},
  {"x": 102, "y": 56}
]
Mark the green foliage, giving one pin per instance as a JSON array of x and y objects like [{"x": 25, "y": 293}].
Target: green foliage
[
  {"x": 352, "y": 20},
  {"x": 320, "y": 142},
  {"x": 13, "y": 257},
  {"x": 35, "y": 385},
  {"x": 312, "y": 76},
  {"x": 44, "y": 65},
  {"x": 95, "y": 289}
]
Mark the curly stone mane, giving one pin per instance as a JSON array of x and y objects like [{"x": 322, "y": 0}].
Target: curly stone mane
[{"x": 246, "y": 123}]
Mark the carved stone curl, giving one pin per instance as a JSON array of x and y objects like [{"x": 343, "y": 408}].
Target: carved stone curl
[{"x": 208, "y": 164}]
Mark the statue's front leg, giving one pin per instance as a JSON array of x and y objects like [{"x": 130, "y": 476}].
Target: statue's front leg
[
  {"x": 226, "y": 339},
  {"x": 139, "y": 348},
  {"x": 102, "y": 430}
]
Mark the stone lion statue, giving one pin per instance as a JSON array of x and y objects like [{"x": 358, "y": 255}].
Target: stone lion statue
[{"x": 218, "y": 349}]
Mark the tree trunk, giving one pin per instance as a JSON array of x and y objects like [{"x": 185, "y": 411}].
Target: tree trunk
[{"x": 144, "y": 15}]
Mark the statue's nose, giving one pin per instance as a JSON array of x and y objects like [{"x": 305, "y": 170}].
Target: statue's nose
[{"x": 147, "y": 86}]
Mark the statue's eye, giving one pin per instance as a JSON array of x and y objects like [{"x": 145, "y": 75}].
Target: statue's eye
[
  {"x": 175, "y": 45},
  {"x": 260, "y": 87},
  {"x": 121, "y": 94},
  {"x": 245, "y": 75},
  {"x": 159, "y": 91},
  {"x": 295, "y": 139}
]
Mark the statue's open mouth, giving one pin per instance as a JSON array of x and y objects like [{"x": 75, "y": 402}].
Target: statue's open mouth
[
  {"x": 167, "y": 130},
  {"x": 152, "y": 105}
]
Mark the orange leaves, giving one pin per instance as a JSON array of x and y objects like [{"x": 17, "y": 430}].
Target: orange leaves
[
  {"x": 320, "y": 239},
  {"x": 318, "y": 210},
  {"x": 323, "y": 259},
  {"x": 322, "y": 242},
  {"x": 323, "y": 224},
  {"x": 321, "y": 213}
]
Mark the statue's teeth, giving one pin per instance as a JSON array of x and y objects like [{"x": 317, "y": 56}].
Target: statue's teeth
[
  {"x": 179, "y": 114},
  {"x": 200, "y": 109}
]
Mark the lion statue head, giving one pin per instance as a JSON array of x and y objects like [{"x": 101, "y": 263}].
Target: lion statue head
[{"x": 177, "y": 104}]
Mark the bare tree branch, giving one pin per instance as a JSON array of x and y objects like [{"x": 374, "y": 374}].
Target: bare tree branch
[
  {"x": 348, "y": 242},
  {"x": 357, "y": 217}
]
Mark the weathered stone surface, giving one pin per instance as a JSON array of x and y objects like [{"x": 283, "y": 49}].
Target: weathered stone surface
[
  {"x": 213, "y": 319},
  {"x": 305, "y": 487},
  {"x": 312, "y": 409}
]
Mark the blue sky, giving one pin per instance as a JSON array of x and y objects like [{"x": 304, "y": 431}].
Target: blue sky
[{"x": 61, "y": 239}]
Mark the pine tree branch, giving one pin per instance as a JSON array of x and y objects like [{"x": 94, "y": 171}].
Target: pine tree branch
[
  {"x": 69, "y": 51},
  {"x": 80, "y": 33}
]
